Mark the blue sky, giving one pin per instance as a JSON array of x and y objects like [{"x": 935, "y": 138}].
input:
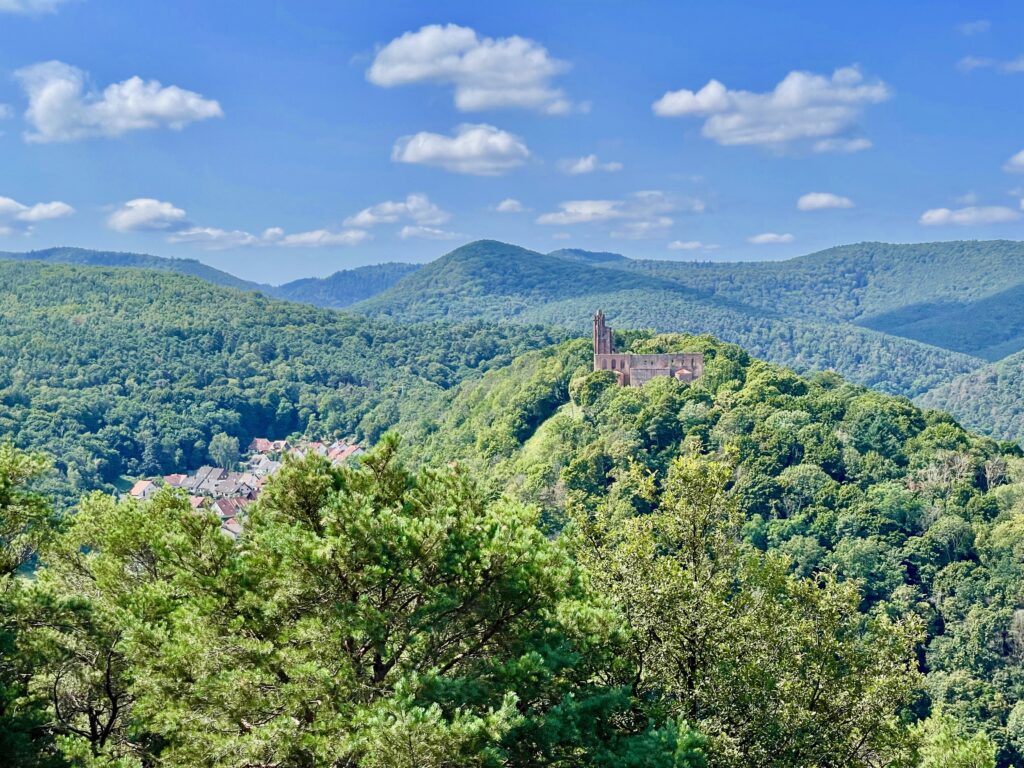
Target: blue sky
[{"x": 297, "y": 138}]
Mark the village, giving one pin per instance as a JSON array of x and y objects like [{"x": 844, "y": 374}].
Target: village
[{"x": 227, "y": 492}]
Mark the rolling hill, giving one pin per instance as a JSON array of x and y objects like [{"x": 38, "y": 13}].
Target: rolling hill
[
  {"x": 500, "y": 282},
  {"x": 345, "y": 287},
  {"x": 833, "y": 477},
  {"x": 115, "y": 371},
  {"x": 990, "y": 399},
  {"x": 92, "y": 258}
]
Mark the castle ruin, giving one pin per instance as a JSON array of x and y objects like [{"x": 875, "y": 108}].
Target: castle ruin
[{"x": 635, "y": 370}]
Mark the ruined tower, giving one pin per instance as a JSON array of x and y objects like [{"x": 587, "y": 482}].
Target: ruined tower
[
  {"x": 634, "y": 370},
  {"x": 603, "y": 342}
]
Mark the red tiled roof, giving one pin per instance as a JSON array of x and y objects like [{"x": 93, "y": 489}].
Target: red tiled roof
[
  {"x": 260, "y": 445},
  {"x": 140, "y": 487}
]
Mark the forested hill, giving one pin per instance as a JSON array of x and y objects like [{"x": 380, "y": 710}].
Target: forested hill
[
  {"x": 591, "y": 257},
  {"x": 496, "y": 281},
  {"x": 965, "y": 296},
  {"x": 923, "y": 516},
  {"x": 88, "y": 257},
  {"x": 345, "y": 287},
  {"x": 115, "y": 371},
  {"x": 990, "y": 399}
]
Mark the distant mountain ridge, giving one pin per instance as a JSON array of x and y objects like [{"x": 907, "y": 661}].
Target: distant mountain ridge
[
  {"x": 922, "y": 320},
  {"x": 493, "y": 281},
  {"x": 89, "y": 257}
]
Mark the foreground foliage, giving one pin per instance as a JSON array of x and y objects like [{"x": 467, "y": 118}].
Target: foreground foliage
[
  {"x": 755, "y": 569},
  {"x": 845, "y": 483}
]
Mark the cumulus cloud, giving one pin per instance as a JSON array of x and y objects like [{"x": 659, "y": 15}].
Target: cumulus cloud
[
  {"x": 770, "y": 238},
  {"x": 642, "y": 214},
  {"x": 146, "y": 214},
  {"x": 18, "y": 218},
  {"x": 487, "y": 73},
  {"x": 971, "y": 215},
  {"x": 817, "y": 201},
  {"x": 416, "y": 207},
  {"x": 587, "y": 164},
  {"x": 30, "y": 7},
  {"x": 1015, "y": 164},
  {"x": 509, "y": 205},
  {"x": 427, "y": 233},
  {"x": 691, "y": 245},
  {"x": 803, "y": 106},
  {"x": 479, "y": 150},
  {"x": 61, "y": 108}
]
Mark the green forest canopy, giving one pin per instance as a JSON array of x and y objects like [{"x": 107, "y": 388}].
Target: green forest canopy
[
  {"x": 121, "y": 371},
  {"x": 755, "y": 569}
]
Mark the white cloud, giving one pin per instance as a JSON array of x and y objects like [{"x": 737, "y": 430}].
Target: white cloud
[
  {"x": 488, "y": 73},
  {"x": 30, "y": 7},
  {"x": 642, "y": 214},
  {"x": 803, "y": 106},
  {"x": 974, "y": 27},
  {"x": 316, "y": 238},
  {"x": 770, "y": 238},
  {"x": 61, "y": 109},
  {"x": 427, "y": 233},
  {"x": 582, "y": 212},
  {"x": 46, "y": 212},
  {"x": 480, "y": 150},
  {"x": 971, "y": 63},
  {"x": 416, "y": 207},
  {"x": 1015, "y": 164},
  {"x": 971, "y": 215},
  {"x": 213, "y": 238},
  {"x": 509, "y": 205},
  {"x": 691, "y": 245},
  {"x": 144, "y": 214},
  {"x": 817, "y": 201},
  {"x": 587, "y": 164},
  {"x": 842, "y": 146},
  {"x": 18, "y": 218},
  {"x": 5, "y": 111},
  {"x": 1007, "y": 67}
]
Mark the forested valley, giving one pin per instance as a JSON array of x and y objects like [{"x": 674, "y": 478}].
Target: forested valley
[{"x": 531, "y": 567}]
